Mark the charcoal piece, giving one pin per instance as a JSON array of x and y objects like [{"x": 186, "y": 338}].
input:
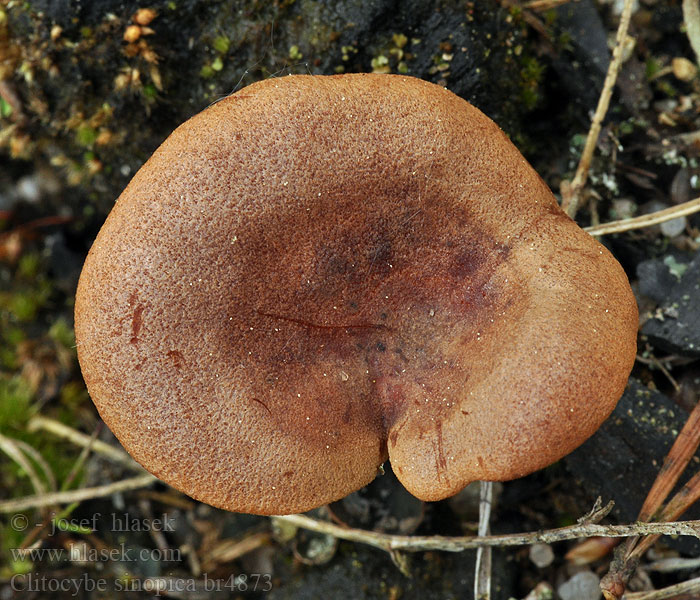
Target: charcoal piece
[
  {"x": 621, "y": 461},
  {"x": 675, "y": 326},
  {"x": 657, "y": 279}
]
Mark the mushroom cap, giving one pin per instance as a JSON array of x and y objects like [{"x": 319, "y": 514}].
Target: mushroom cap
[{"x": 318, "y": 273}]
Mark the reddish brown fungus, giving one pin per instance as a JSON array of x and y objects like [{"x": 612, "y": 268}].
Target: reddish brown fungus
[{"x": 321, "y": 273}]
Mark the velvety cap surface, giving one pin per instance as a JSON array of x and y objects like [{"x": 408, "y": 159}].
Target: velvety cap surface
[{"x": 318, "y": 273}]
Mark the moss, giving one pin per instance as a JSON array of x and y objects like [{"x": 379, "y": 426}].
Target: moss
[
  {"x": 149, "y": 91},
  {"x": 389, "y": 57},
  {"x": 206, "y": 72},
  {"x": 531, "y": 73},
  {"x": 15, "y": 403},
  {"x": 221, "y": 44},
  {"x": 10, "y": 539},
  {"x": 652, "y": 67},
  {"x": 5, "y": 108},
  {"x": 295, "y": 53},
  {"x": 627, "y": 127},
  {"x": 24, "y": 306},
  {"x": 62, "y": 333},
  {"x": 86, "y": 136},
  {"x": 74, "y": 396},
  {"x": 28, "y": 265},
  {"x": 380, "y": 64}
]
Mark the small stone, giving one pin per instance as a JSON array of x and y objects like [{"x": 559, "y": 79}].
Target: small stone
[
  {"x": 582, "y": 586},
  {"x": 132, "y": 33},
  {"x": 683, "y": 69},
  {"x": 144, "y": 16},
  {"x": 29, "y": 189},
  {"x": 541, "y": 555},
  {"x": 624, "y": 208},
  {"x": 674, "y": 227}
]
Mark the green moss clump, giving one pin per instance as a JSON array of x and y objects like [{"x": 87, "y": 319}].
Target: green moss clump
[
  {"x": 85, "y": 136},
  {"x": 62, "y": 333},
  {"x": 15, "y": 403},
  {"x": 221, "y": 44},
  {"x": 531, "y": 73}
]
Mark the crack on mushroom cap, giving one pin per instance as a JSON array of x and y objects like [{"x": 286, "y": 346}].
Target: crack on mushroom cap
[{"x": 294, "y": 288}]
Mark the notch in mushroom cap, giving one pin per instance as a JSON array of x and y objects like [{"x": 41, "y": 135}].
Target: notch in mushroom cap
[{"x": 320, "y": 273}]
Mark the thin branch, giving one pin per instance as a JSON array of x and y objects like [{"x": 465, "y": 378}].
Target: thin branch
[
  {"x": 682, "y": 501},
  {"x": 80, "y": 439},
  {"x": 542, "y": 5},
  {"x": 389, "y": 542},
  {"x": 674, "y": 464},
  {"x": 35, "y": 455},
  {"x": 10, "y": 447},
  {"x": 80, "y": 461},
  {"x": 660, "y": 216},
  {"x": 691, "y": 16},
  {"x": 482, "y": 569},
  {"x": 677, "y": 459},
  {"x": 529, "y": 17},
  {"x": 685, "y": 589},
  {"x": 572, "y": 191},
  {"x": 671, "y": 565},
  {"x": 41, "y": 500}
]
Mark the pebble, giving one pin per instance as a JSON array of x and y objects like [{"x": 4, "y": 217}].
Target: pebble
[
  {"x": 582, "y": 586},
  {"x": 673, "y": 227},
  {"x": 541, "y": 555}
]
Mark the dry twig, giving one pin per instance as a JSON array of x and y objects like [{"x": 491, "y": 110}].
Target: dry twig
[
  {"x": 80, "y": 439},
  {"x": 571, "y": 191},
  {"x": 407, "y": 543},
  {"x": 660, "y": 216},
  {"x": 542, "y": 5},
  {"x": 11, "y": 447},
  {"x": 41, "y": 500},
  {"x": 691, "y": 17},
  {"x": 677, "y": 459},
  {"x": 687, "y": 589},
  {"x": 482, "y": 570}
]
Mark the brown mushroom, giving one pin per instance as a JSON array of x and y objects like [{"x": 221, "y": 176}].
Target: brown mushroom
[{"x": 320, "y": 273}]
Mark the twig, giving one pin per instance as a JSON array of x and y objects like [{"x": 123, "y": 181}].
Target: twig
[
  {"x": 660, "y": 216},
  {"x": 541, "y": 5},
  {"x": 682, "y": 501},
  {"x": 80, "y": 439},
  {"x": 39, "y": 460},
  {"x": 597, "y": 513},
  {"x": 671, "y": 565},
  {"x": 677, "y": 459},
  {"x": 691, "y": 16},
  {"x": 155, "y": 532},
  {"x": 657, "y": 364},
  {"x": 529, "y": 17},
  {"x": 10, "y": 447},
  {"x": 20, "y": 504},
  {"x": 571, "y": 191},
  {"x": 687, "y": 587},
  {"x": 228, "y": 550},
  {"x": 590, "y": 550},
  {"x": 482, "y": 569},
  {"x": 84, "y": 453},
  {"x": 389, "y": 542}
]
